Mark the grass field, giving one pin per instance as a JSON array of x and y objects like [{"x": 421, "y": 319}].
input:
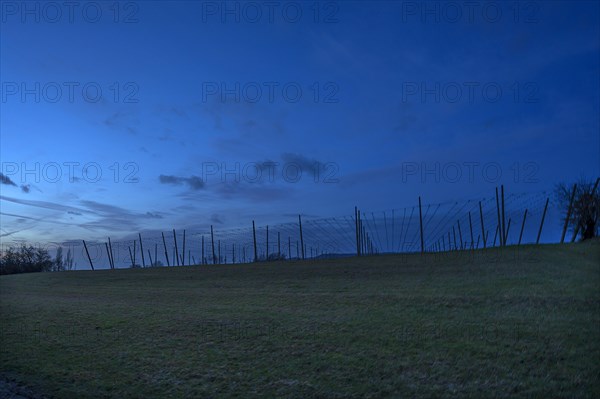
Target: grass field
[{"x": 514, "y": 322}]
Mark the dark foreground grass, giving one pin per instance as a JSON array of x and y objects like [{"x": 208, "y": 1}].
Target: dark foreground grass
[{"x": 498, "y": 323}]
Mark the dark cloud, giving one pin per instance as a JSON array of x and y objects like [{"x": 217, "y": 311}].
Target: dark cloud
[
  {"x": 216, "y": 218},
  {"x": 306, "y": 164},
  {"x": 6, "y": 180},
  {"x": 194, "y": 182}
]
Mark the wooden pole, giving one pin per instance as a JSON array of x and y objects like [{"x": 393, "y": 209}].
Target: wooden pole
[
  {"x": 212, "y": 240},
  {"x": 131, "y": 257},
  {"x": 183, "y": 251},
  {"x": 254, "y": 236},
  {"x": 165, "y": 245},
  {"x": 301, "y": 236},
  {"x": 421, "y": 224},
  {"x": 482, "y": 226},
  {"x": 499, "y": 219},
  {"x": 176, "y": 249},
  {"x": 88, "y": 255},
  {"x": 522, "y": 226},
  {"x": 503, "y": 219},
  {"x": 496, "y": 235},
  {"x": 471, "y": 229},
  {"x": 108, "y": 255},
  {"x": 356, "y": 231},
  {"x": 537, "y": 241},
  {"x": 460, "y": 234},
  {"x": 112, "y": 259},
  {"x": 134, "y": 251},
  {"x": 150, "y": 257},
  {"x": 507, "y": 229},
  {"x": 569, "y": 210},
  {"x": 142, "y": 250}
]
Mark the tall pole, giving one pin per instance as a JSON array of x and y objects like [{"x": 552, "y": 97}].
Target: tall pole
[
  {"x": 421, "y": 224},
  {"x": 460, "y": 234},
  {"x": 471, "y": 228},
  {"x": 108, "y": 255},
  {"x": 176, "y": 249},
  {"x": 254, "y": 236},
  {"x": 482, "y": 226},
  {"x": 522, "y": 226},
  {"x": 150, "y": 257},
  {"x": 301, "y": 236},
  {"x": 507, "y": 229},
  {"x": 537, "y": 241},
  {"x": 212, "y": 240},
  {"x": 503, "y": 218},
  {"x": 165, "y": 245},
  {"x": 131, "y": 257},
  {"x": 134, "y": 251},
  {"x": 88, "y": 255},
  {"x": 142, "y": 250},
  {"x": 183, "y": 251},
  {"x": 356, "y": 231},
  {"x": 112, "y": 259},
  {"x": 499, "y": 220},
  {"x": 569, "y": 210}
]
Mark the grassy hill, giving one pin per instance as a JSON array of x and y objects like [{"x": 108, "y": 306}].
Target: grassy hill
[{"x": 515, "y": 322}]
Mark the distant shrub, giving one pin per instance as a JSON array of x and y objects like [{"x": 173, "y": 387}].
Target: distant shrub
[{"x": 25, "y": 259}]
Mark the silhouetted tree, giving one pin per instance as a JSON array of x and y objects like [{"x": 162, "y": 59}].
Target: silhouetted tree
[
  {"x": 585, "y": 210},
  {"x": 25, "y": 259}
]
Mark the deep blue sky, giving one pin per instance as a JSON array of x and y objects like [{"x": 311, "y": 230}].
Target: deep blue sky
[{"x": 377, "y": 68}]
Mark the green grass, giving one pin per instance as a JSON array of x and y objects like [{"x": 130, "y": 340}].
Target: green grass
[{"x": 518, "y": 322}]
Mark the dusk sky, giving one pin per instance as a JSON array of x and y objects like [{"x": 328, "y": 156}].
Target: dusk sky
[{"x": 174, "y": 107}]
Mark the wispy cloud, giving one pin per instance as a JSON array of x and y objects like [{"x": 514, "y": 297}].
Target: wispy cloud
[{"x": 194, "y": 182}]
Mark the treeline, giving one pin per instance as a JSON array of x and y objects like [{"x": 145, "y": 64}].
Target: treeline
[{"x": 28, "y": 259}]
